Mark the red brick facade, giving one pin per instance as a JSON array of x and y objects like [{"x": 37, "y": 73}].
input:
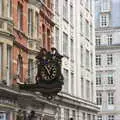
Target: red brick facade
[
  {"x": 20, "y": 47},
  {"x": 47, "y": 24}
]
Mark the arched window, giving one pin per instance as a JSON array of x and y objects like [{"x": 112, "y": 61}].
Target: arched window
[
  {"x": 20, "y": 68},
  {"x": 9, "y": 7},
  {"x": 20, "y": 16}
]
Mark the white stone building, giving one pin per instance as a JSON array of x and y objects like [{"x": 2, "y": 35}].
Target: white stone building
[
  {"x": 107, "y": 58},
  {"x": 74, "y": 38}
]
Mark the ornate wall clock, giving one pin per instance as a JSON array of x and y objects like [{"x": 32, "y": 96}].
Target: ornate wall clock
[{"x": 49, "y": 71}]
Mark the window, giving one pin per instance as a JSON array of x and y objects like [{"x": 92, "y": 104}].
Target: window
[
  {"x": 83, "y": 116},
  {"x": 104, "y": 20},
  {"x": 81, "y": 55},
  {"x": 91, "y": 33},
  {"x": 2, "y": 116},
  {"x": 48, "y": 39},
  {"x": 30, "y": 22},
  {"x": 57, "y": 37},
  {"x": 1, "y": 61},
  {"x": 71, "y": 14},
  {"x": 65, "y": 44},
  {"x": 109, "y": 37},
  {"x": 87, "y": 90},
  {"x": 87, "y": 59},
  {"x": 105, "y": 6},
  {"x": 99, "y": 118},
  {"x": 57, "y": 6},
  {"x": 73, "y": 114},
  {"x": 48, "y": 3},
  {"x": 98, "y": 59},
  {"x": 98, "y": 79},
  {"x": 91, "y": 56},
  {"x": 82, "y": 87},
  {"x": 91, "y": 4},
  {"x": 72, "y": 82},
  {"x": 81, "y": 23},
  {"x": 66, "y": 114},
  {"x": 110, "y": 78},
  {"x": 9, "y": 7},
  {"x": 92, "y": 93},
  {"x": 72, "y": 50},
  {"x": 94, "y": 117},
  {"x": 65, "y": 9},
  {"x": 43, "y": 35},
  {"x": 20, "y": 16},
  {"x": 20, "y": 67},
  {"x": 110, "y": 117},
  {"x": 65, "y": 80},
  {"x": 87, "y": 29},
  {"x": 99, "y": 98},
  {"x": 8, "y": 65},
  {"x": 30, "y": 70},
  {"x": 88, "y": 117},
  {"x": 110, "y": 98},
  {"x": 87, "y": 4},
  {"x": 98, "y": 41},
  {"x": 109, "y": 59},
  {"x": 37, "y": 23},
  {"x": 1, "y": 7}
]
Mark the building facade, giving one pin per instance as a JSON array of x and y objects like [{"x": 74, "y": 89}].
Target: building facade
[
  {"x": 74, "y": 38},
  {"x": 107, "y": 58},
  {"x": 25, "y": 27}
]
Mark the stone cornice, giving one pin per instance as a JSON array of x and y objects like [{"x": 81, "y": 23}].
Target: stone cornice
[
  {"x": 7, "y": 34},
  {"x": 106, "y": 47},
  {"x": 77, "y": 102},
  {"x": 107, "y": 30},
  {"x": 16, "y": 93},
  {"x": 65, "y": 99}
]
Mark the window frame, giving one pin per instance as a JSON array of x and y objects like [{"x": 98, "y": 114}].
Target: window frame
[
  {"x": 98, "y": 60},
  {"x": 30, "y": 22},
  {"x": 98, "y": 79},
  {"x": 65, "y": 9},
  {"x": 99, "y": 98},
  {"x": 110, "y": 98},
  {"x": 109, "y": 38},
  {"x": 110, "y": 78},
  {"x": 104, "y": 20},
  {"x": 65, "y": 44},
  {"x": 98, "y": 40},
  {"x": 20, "y": 16},
  {"x": 109, "y": 59}
]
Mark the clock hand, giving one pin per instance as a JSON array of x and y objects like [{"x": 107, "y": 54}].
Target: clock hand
[{"x": 47, "y": 70}]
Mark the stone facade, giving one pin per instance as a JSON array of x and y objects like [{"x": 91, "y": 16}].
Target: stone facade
[
  {"x": 74, "y": 38},
  {"x": 107, "y": 58}
]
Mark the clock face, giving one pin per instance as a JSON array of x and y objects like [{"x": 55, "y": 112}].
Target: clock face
[{"x": 49, "y": 71}]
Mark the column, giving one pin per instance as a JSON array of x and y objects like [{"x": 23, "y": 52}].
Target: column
[
  {"x": 5, "y": 9},
  {"x": 4, "y": 61}
]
